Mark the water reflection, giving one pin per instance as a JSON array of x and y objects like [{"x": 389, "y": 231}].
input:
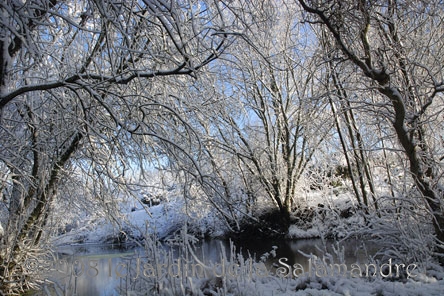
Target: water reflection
[
  {"x": 88, "y": 270},
  {"x": 112, "y": 270},
  {"x": 299, "y": 251}
]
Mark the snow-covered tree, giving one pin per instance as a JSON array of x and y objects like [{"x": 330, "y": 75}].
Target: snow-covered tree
[
  {"x": 396, "y": 48},
  {"x": 271, "y": 117},
  {"x": 76, "y": 81}
]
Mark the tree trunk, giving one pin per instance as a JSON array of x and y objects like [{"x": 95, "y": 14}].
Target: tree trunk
[
  {"x": 27, "y": 219},
  {"x": 421, "y": 172}
]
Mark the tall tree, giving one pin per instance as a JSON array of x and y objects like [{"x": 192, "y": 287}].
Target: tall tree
[
  {"x": 350, "y": 136},
  {"x": 274, "y": 119}
]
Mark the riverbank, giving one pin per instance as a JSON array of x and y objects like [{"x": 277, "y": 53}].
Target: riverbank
[
  {"x": 219, "y": 268},
  {"x": 323, "y": 274},
  {"x": 136, "y": 221}
]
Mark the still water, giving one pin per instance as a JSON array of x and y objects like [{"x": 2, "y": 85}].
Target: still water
[{"x": 112, "y": 270}]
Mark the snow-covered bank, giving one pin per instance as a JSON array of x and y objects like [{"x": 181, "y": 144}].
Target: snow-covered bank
[
  {"x": 343, "y": 286},
  {"x": 136, "y": 222}
]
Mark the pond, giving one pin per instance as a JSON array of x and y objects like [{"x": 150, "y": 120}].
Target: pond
[{"x": 114, "y": 270}]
